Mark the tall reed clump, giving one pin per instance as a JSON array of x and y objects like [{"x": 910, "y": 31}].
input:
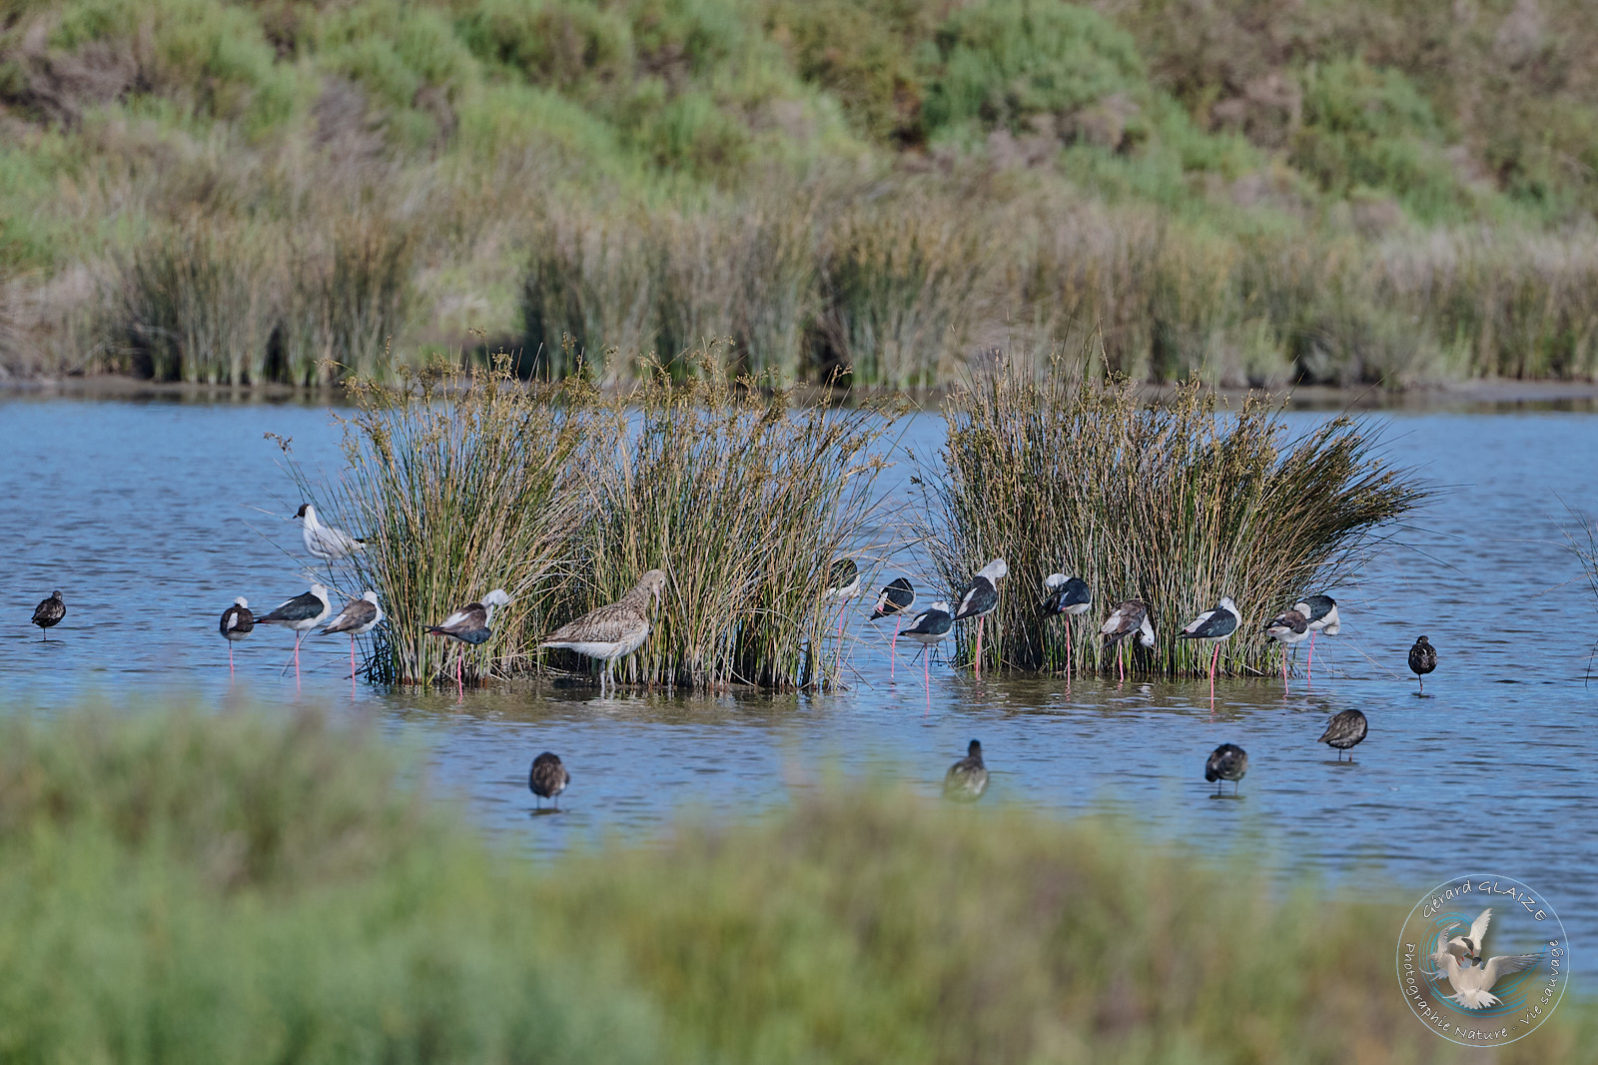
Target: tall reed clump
[
  {"x": 460, "y": 484},
  {"x": 1175, "y": 503},
  {"x": 744, "y": 500}
]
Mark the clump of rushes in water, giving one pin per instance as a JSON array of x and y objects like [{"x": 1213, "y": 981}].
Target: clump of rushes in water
[
  {"x": 461, "y": 483},
  {"x": 745, "y": 500},
  {"x": 1175, "y": 504}
]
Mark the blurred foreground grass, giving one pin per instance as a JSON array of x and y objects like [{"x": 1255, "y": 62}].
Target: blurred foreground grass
[{"x": 179, "y": 888}]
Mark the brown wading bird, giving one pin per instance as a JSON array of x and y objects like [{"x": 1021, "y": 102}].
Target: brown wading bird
[
  {"x": 49, "y": 612},
  {"x": 1127, "y": 618},
  {"x": 1345, "y": 730},
  {"x": 237, "y": 622},
  {"x": 967, "y": 779},
  {"x": 1422, "y": 660},
  {"x": 614, "y": 630},
  {"x": 359, "y": 617},
  {"x": 548, "y": 778},
  {"x": 1226, "y": 762},
  {"x": 469, "y": 625}
]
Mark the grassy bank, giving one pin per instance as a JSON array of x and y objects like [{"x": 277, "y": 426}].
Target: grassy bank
[
  {"x": 1350, "y": 191},
  {"x": 248, "y": 888},
  {"x": 564, "y": 495},
  {"x": 1176, "y": 504}
]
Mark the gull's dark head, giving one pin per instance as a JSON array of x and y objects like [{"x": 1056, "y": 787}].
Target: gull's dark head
[{"x": 305, "y": 508}]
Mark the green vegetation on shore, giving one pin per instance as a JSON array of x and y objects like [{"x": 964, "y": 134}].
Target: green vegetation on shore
[
  {"x": 1333, "y": 190},
  {"x": 245, "y": 888}
]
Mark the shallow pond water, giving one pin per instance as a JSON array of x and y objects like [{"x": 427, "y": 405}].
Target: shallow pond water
[{"x": 151, "y": 516}]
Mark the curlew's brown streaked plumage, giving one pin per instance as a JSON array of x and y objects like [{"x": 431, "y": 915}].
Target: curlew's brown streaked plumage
[
  {"x": 1345, "y": 730},
  {"x": 548, "y": 778},
  {"x": 1422, "y": 660},
  {"x": 49, "y": 613},
  {"x": 614, "y": 630}
]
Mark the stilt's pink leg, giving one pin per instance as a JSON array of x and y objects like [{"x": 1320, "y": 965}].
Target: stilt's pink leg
[
  {"x": 893, "y": 647},
  {"x": 980, "y": 619},
  {"x": 1309, "y": 666},
  {"x": 230, "y": 658},
  {"x": 1069, "y": 665},
  {"x": 1214, "y": 659}
]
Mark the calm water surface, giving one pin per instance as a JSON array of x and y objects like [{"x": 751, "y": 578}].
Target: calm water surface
[{"x": 151, "y": 516}]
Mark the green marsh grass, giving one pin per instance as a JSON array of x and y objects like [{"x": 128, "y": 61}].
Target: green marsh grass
[
  {"x": 564, "y": 496},
  {"x": 1176, "y": 503},
  {"x": 744, "y": 498},
  {"x": 261, "y": 887}
]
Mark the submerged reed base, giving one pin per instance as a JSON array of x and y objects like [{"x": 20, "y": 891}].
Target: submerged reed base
[
  {"x": 1176, "y": 504},
  {"x": 564, "y": 496}
]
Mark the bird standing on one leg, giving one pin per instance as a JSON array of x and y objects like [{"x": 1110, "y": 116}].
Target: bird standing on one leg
[
  {"x": 1320, "y": 611},
  {"x": 469, "y": 626},
  {"x": 1068, "y": 596},
  {"x": 614, "y": 630},
  {"x": 49, "y": 613},
  {"x": 980, "y": 598},
  {"x": 1287, "y": 628},
  {"x": 359, "y": 617},
  {"x": 237, "y": 622},
  {"x": 1422, "y": 660},
  {"x": 930, "y": 628},
  {"x": 1345, "y": 730},
  {"x": 1215, "y": 625},
  {"x": 896, "y": 600},
  {"x": 548, "y": 778},
  {"x": 1226, "y": 762},
  {"x": 1131, "y": 616},
  {"x": 843, "y": 584}
]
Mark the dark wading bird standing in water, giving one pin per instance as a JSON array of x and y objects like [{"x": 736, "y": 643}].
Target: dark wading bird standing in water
[
  {"x": 324, "y": 541},
  {"x": 967, "y": 779},
  {"x": 1422, "y": 660},
  {"x": 614, "y": 630},
  {"x": 896, "y": 600},
  {"x": 1067, "y": 596},
  {"x": 1226, "y": 762},
  {"x": 1345, "y": 730},
  {"x": 1288, "y": 628},
  {"x": 980, "y": 598},
  {"x": 548, "y": 778},
  {"x": 302, "y": 614},
  {"x": 469, "y": 626},
  {"x": 1216, "y": 626},
  {"x": 1127, "y": 618},
  {"x": 237, "y": 622},
  {"x": 49, "y": 612},
  {"x": 359, "y": 617},
  {"x": 1320, "y": 612}
]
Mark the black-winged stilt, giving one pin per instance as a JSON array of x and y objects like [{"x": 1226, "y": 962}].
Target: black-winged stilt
[
  {"x": 843, "y": 584},
  {"x": 1069, "y": 596},
  {"x": 1346, "y": 729},
  {"x": 967, "y": 779},
  {"x": 237, "y": 622},
  {"x": 614, "y": 630},
  {"x": 1226, "y": 762},
  {"x": 895, "y": 601},
  {"x": 980, "y": 598},
  {"x": 469, "y": 625},
  {"x": 324, "y": 541},
  {"x": 302, "y": 614},
  {"x": 548, "y": 778},
  {"x": 1217, "y": 626},
  {"x": 49, "y": 612},
  {"x": 359, "y": 617},
  {"x": 930, "y": 628},
  {"x": 1321, "y": 613},
  {"x": 1422, "y": 660},
  {"x": 1131, "y": 616},
  {"x": 1288, "y": 628}
]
